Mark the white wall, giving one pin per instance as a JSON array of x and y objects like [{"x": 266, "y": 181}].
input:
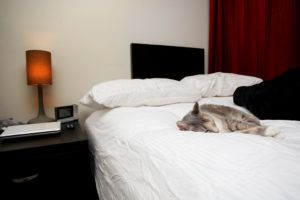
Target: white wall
[{"x": 89, "y": 41}]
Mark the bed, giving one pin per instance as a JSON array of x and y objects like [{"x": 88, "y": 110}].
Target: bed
[{"x": 139, "y": 153}]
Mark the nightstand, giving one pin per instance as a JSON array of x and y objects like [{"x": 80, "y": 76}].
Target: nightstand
[{"x": 47, "y": 167}]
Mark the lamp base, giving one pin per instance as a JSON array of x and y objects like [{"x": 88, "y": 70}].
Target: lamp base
[
  {"x": 41, "y": 116},
  {"x": 40, "y": 119}
]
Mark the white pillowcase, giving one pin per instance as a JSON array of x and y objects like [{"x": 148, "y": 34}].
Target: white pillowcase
[
  {"x": 219, "y": 83},
  {"x": 139, "y": 92}
]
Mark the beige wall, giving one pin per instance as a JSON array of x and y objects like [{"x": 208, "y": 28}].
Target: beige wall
[{"x": 89, "y": 41}]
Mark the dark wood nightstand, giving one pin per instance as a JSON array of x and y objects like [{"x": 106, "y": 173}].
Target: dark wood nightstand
[{"x": 47, "y": 167}]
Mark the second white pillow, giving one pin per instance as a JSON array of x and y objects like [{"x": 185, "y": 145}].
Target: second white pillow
[{"x": 219, "y": 83}]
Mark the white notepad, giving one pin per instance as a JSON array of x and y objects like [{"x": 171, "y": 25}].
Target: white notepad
[{"x": 31, "y": 130}]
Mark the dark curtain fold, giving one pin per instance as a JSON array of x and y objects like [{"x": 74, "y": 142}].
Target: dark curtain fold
[{"x": 254, "y": 37}]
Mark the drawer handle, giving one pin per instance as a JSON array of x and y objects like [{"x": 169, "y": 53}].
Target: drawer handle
[{"x": 25, "y": 179}]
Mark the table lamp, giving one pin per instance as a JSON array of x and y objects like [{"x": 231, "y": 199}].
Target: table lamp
[{"x": 39, "y": 73}]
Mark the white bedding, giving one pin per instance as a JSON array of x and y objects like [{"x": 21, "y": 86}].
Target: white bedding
[{"x": 141, "y": 155}]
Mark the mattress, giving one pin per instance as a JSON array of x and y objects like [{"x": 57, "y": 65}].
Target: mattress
[{"x": 139, "y": 153}]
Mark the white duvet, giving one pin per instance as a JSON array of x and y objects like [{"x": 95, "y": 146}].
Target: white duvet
[{"x": 141, "y": 155}]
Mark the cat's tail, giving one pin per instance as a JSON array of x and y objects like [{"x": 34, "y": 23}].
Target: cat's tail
[{"x": 273, "y": 132}]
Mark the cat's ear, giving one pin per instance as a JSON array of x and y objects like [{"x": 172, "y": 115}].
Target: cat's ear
[{"x": 195, "y": 110}]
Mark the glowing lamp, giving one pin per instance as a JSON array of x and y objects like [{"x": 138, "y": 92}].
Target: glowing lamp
[{"x": 39, "y": 72}]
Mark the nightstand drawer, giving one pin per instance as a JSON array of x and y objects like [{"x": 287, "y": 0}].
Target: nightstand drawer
[
  {"x": 55, "y": 174},
  {"x": 48, "y": 168}
]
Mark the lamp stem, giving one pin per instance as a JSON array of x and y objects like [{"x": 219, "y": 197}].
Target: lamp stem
[
  {"x": 41, "y": 117},
  {"x": 41, "y": 100}
]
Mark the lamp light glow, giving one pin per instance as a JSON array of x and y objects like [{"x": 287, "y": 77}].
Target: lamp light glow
[{"x": 39, "y": 70}]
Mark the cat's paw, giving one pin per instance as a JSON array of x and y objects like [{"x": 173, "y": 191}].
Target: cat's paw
[
  {"x": 272, "y": 132},
  {"x": 279, "y": 136}
]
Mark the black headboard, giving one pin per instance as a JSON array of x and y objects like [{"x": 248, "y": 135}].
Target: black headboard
[{"x": 159, "y": 61}]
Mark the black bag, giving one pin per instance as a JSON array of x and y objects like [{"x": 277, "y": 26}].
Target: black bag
[{"x": 278, "y": 98}]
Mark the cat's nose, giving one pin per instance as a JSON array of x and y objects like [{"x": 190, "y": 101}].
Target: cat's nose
[{"x": 181, "y": 126}]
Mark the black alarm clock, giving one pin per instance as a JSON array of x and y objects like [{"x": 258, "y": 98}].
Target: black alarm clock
[{"x": 66, "y": 114}]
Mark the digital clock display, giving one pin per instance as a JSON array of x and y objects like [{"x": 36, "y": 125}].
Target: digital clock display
[{"x": 65, "y": 112}]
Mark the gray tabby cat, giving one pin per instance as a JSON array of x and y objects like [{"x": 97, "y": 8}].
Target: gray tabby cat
[{"x": 218, "y": 118}]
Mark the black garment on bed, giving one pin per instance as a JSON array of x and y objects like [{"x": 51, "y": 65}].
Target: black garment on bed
[{"x": 278, "y": 98}]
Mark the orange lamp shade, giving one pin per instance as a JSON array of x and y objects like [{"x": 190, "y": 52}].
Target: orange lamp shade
[{"x": 38, "y": 65}]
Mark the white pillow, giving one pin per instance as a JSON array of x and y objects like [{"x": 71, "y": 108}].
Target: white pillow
[
  {"x": 138, "y": 92},
  {"x": 219, "y": 83}
]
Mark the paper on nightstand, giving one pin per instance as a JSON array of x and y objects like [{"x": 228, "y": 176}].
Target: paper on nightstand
[{"x": 31, "y": 130}]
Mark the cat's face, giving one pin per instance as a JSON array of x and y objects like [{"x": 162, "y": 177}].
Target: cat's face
[{"x": 193, "y": 121}]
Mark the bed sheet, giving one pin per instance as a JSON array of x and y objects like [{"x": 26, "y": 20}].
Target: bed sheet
[{"x": 140, "y": 154}]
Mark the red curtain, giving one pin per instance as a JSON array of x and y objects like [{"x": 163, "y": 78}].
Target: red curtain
[{"x": 254, "y": 37}]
